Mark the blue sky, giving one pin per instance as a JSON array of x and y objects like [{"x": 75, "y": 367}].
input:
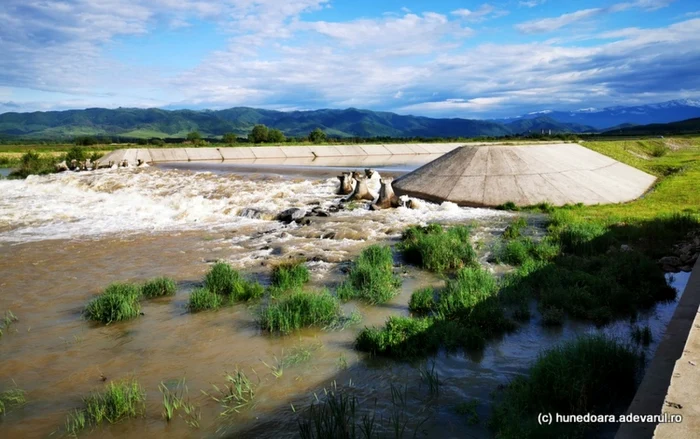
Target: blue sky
[{"x": 470, "y": 59}]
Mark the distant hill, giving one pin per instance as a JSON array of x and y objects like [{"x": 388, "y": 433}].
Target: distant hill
[
  {"x": 690, "y": 126},
  {"x": 609, "y": 117},
  {"x": 545, "y": 123},
  {"x": 351, "y": 122}
]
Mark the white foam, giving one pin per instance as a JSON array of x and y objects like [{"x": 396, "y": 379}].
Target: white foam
[{"x": 127, "y": 201}]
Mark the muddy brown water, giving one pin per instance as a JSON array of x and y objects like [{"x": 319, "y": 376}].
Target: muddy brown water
[{"x": 58, "y": 357}]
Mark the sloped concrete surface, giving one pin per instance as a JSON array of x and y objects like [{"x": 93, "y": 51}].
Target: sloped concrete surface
[{"x": 491, "y": 175}]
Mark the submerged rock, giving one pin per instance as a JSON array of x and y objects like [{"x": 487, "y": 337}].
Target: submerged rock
[
  {"x": 414, "y": 204},
  {"x": 292, "y": 214},
  {"x": 249, "y": 212}
]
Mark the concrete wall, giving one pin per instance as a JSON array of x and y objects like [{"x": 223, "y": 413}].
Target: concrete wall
[
  {"x": 673, "y": 377},
  {"x": 157, "y": 155}
]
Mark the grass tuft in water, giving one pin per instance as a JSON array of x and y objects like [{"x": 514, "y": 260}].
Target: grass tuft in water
[
  {"x": 300, "y": 310},
  {"x": 422, "y": 301},
  {"x": 468, "y": 409},
  {"x": 237, "y": 394},
  {"x": 371, "y": 277},
  {"x": 119, "y": 400},
  {"x": 593, "y": 374},
  {"x": 118, "y": 302},
  {"x": 431, "y": 378},
  {"x": 437, "y": 249},
  {"x": 158, "y": 287},
  {"x": 552, "y": 316},
  {"x": 176, "y": 399},
  {"x": 289, "y": 276},
  {"x": 7, "y": 321},
  {"x": 515, "y": 229},
  {"x": 202, "y": 299},
  {"x": 223, "y": 280},
  {"x": 12, "y": 398}
]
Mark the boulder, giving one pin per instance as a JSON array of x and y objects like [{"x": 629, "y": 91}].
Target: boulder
[
  {"x": 387, "y": 197},
  {"x": 346, "y": 184},
  {"x": 249, "y": 212},
  {"x": 73, "y": 164},
  {"x": 361, "y": 191},
  {"x": 414, "y": 204},
  {"x": 334, "y": 209},
  {"x": 671, "y": 260},
  {"x": 303, "y": 221},
  {"x": 60, "y": 167},
  {"x": 292, "y": 214}
]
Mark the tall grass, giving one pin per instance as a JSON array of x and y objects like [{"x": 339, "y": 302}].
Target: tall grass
[
  {"x": 158, "y": 287},
  {"x": 238, "y": 393},
  {"x": 118, "y": 400},
  {"x": 371, "y": 277},
  {"x": 300, "y": 310},
  {"x": 175, "y": 398},
  {"x": 592, "y": 374},
  {"x": 118, "y": 302},
  {"x": 422, "y": 301},
  {"x": 223, "y": 280},
  {"x": 437, "y": 249},
  {"x": 289, "y": 276}
]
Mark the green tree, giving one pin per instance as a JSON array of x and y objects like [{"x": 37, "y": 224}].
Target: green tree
[
  {"x": 230, "y": 138},
  {"x": 317, "y": 136},
  {"x": 258, "y": 134},
  {"x": 194, "y": 136},
  {"x": 275, "y": 136}
]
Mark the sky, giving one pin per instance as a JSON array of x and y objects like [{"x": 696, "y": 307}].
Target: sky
[{"x": 441, "y": 58}]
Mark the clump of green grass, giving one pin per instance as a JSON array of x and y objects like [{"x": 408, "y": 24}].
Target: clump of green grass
[
  {"x": 508, "y": 205},
  {"x": 202, "y": 299},
  {"x": 371, "y": 277},
  {"x": 401, "y": 337},
  {"x": 12, "y": 398},
  {"x": 552, "y": 316},
  {"x": 158, "y": 287},
  {"x": 468, "y": 409},
  {"x": 515, "y": 229},
  {"x": 517, "y": 251},
  {"x": 642, "y": 336},
  {"x": 223, "y": 280},
  {"x": 422, "y": 301},
  {"x": 437, "y": 249},
  {"x": 469, "y": 287},
  {"x": 33, "y": 163},
  {"x": 118, "y": 302},
  {"x": 289, "y": 276},
  {"x": 300, "y": 309},
  {"x": 7, "y": 321},
  {"x": 238, "y": 393},
  {"x": 592, "y": 374},
  {"x": 119, "y": 400}
]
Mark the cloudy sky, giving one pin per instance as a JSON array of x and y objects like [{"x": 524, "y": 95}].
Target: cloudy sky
[{"x": 438, "y": 58}]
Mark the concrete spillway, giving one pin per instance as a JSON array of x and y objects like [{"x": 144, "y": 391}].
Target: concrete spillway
[{"x": 526, "y": 175}]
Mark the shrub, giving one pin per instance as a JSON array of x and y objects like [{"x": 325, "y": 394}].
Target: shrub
[
  {"x": 225, "y": 281},
  {"x": 160, "y": 286},
  {"x": 592, "y": 374},
  {"x": 438, "y": 250},
  {"x": 32, "y": 163},
  {"x": 290, "y": 276},
  {"x": 202, "y": 299},
  {"x": 371, "y": 277},
  {"x": 119, "y": 301},
  {"x": 299, "y": 310},
  {"x": 75, "y": 153},
  {"x": 119, "y": 400}
]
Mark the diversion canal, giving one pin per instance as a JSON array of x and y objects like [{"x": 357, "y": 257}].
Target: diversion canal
[{"x": 65, "y": 237}]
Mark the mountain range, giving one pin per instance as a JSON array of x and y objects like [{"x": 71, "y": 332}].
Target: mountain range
[{"x": 351, "y": 122}]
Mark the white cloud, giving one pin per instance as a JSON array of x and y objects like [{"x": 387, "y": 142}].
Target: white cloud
[
  {"x": 551, "y": 24},
  {"x": 483, "y": 13},
  {"x": 531, "y": 3}
]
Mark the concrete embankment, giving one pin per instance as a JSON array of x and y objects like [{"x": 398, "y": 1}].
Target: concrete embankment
[
  {"x": 672, "y": 382},
  {"x": 160, "y": 155}
]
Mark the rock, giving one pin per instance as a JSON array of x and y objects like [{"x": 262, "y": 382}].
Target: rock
[
  {"x": 670, "y": 260},
  {"x": 414, "y": 204},
  {"x": 387, "y": 197},
  {"x": 292, "y": 214},
  {"x": 303, "y": 221},
  {"x": 347, "y": 184},
  {"x": 249, "y": 212},
  {"x": 329, "y": 235},
  {"x": 73, "y": 164},
  {"x": 61, "y": 167},
  {"x": 361, "y": 191},
  {"x": 625, "y": 248},
  {"x": 322, "y": 213},
  {"x": 334, "y": 209},
  {"x": 314, "y": 203},
  {"x": 125, "y": 163},
  {"x": 687, "y": 268}
]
